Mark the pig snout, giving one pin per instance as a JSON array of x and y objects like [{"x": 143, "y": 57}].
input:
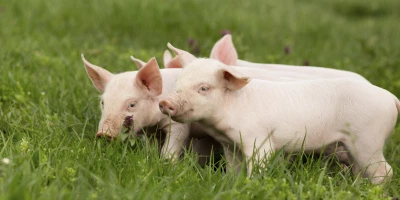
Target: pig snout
[
  {"x": 108, "y": 136},
  {"x": 167, "y": 107}
]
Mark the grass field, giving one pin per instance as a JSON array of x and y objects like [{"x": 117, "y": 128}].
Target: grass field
[{"x": 49, "y": 109}]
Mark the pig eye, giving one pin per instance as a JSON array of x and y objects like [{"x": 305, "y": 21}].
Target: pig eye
[
  {"x": 131, "y": 105},
  {"x": 203, "y": 89}
]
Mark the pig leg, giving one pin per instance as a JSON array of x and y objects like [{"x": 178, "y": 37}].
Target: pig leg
[
  {"x": 369, "y": 159},
  {"x": 341, "y": 153},
  {"x": 259, "y": 152},
  {"x": 204, "y": 147},
  {"x": 233, "y": 158},
  {"x": 376, "y": 168},
  {"x": 176, "y": 138}
]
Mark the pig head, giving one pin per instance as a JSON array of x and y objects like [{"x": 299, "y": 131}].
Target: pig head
[
  {"x": 125, "y": 96},
  {"x": 265, "y": 114},
  {"x": 190, "y": 100}
]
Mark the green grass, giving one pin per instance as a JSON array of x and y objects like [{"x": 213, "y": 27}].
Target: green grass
[{"x": 49, "y": 109}]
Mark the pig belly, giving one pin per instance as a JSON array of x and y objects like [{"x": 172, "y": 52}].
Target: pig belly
[{"x": 301, "y": 140}]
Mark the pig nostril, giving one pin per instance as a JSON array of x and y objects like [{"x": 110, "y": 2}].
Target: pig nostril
[
  {"x": 163, "y": 104},
  {"x": 171, "y": 110},
  {"x": 161, "y": 108},
  {"x": 99, "y": 134},
  {"x": 167, "y": 108},
  {"x": 105, "y": 135},
  {"x": 109, "y": 137}
]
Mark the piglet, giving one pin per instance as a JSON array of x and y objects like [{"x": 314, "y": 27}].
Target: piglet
[
  {"x": 262, "y": 116},
  {"x": 225, "y": 51},
  {"x": 135, "y": 96}
]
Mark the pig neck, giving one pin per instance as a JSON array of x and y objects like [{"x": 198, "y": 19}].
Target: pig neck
[{"x": 229, "y": 119}]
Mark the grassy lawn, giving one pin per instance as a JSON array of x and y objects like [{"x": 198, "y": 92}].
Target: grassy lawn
[{"x": 49, "y": 110}]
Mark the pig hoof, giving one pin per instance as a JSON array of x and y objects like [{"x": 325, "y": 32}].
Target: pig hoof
[{"x": 345, "y": 168}]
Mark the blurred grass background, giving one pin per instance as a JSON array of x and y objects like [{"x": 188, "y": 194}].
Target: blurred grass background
[{"x": 49, "y": 109}]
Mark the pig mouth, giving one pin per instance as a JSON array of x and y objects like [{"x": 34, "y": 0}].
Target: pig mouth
[
  {"x": 106, "y": 135},
  {"x": 112, "y": 132},
  {"x": 128, "y": 123},
  {"x": 178, "y": 118},
  {"x": 183, "y": 117}
]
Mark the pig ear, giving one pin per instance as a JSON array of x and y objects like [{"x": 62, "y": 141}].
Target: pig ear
[
  {"x": 139, "y": 63},
  {"x": 170, "y": 62},
  {"x": 167, "y": 58},
  {"x": 174, "y": 63},
  {"x": 149, "y": 78},
  {"x": 225, "y": 51},
  {"x": 234, "y": 80},
  {"x": 184, "y": 56},
  {"x": 98, "y": 75}
]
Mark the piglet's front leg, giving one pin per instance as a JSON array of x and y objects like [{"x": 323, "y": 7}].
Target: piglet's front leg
[
  {"x": 177, "y": 135},
  {"x": 233, "y": 157},
  {"x": 256, "y": 152}
]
